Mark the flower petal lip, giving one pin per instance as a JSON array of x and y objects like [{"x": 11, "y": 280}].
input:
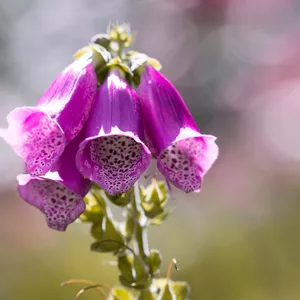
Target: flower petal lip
[
  {"x": 183, "y": 154},
  {"x": 113, "y": 153},
  {"x": 59, "y": 193},
  {"x": 39, "y": 134}
]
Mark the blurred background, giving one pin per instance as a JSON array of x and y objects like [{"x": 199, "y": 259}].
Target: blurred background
[{"x": 237, "y": 65}]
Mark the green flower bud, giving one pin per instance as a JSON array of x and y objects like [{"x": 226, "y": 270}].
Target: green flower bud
[
  {"x": 93, "y": 211},
  {"x": 154, "y": 261},
  {"x": 155, "y": 199}
]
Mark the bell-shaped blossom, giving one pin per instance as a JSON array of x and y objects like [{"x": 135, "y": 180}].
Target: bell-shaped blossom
[
  {"x": 58, "y": 194},
  {"x": 183, "y": 154},
  {"x": 113, "y": 153},
  {"x": 39, "y": 134}
]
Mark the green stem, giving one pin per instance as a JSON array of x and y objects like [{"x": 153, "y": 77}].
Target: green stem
[{"x": 140, "y": 239}]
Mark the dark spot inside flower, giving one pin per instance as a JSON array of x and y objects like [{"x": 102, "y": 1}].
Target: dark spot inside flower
[
  {"x": 174, "y": 160},
  {"x": 186, "y": 169},
  {"x": 53, "y": 200},
  {"x": 64, "y": 197}
]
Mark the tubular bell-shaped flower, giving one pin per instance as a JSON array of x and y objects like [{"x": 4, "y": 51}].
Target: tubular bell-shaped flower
[
  {"x": 39, "y": 134},
  {"x": 183, "y": 154},
  {"x": 58, "y": 194},
  {"x": 113, "y": 154}
]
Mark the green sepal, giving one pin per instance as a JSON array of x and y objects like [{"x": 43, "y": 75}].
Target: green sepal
[
  {"x": 120, "y": 200},
  {"x": 101, "y": 39},
  {"x": 147, "y": 295},
  {"x": 159, "y": 218},
  {"x": 167, "y": 293},
  {"x": 99, "y": 55},
  {"x": 181, "y": 289},
  {"x": 137, "y": 61},
  {"x": 119, "y": 293},
  {"x": 82, "y": 51}
]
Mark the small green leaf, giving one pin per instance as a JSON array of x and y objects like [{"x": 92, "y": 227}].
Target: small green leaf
[
  {"x": 119, "y": 293},
  {"x": 109, "y": 238}
]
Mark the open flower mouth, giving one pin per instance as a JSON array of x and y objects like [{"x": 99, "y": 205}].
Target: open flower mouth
[
  {"x": 184, "y": 163},
  {"x": 60, "y": 205},
  {"x": 115, "y": 162},
  {"x": 42, "y": 146},
  {"x": 36, "y": 138}
]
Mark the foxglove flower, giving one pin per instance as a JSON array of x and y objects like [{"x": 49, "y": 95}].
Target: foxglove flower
[
  {"x": 113, "y": 154},
  {"x": 58, "y": 194},
  {"x": 183, "y": 154},
  {"x": 39, "y": 134}
]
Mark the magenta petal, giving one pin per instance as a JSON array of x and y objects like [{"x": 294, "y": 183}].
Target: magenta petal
[
  {"x": 183, "y": 154},
  {"x": 69, "y": 98},
  {"x": 113, "y": 154},
  {"x": 39, "y": 134},
  {"x": 58, "y": 194},
  {"x": 185, "y": 162}
]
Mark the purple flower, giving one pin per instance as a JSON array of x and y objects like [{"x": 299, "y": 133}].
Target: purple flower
[
  {"x": 183, "y": 154},
  {"x": 58, "y": 194},
  {"x": 39, "y": 134},
  {"x": 113, "y": 154}
]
